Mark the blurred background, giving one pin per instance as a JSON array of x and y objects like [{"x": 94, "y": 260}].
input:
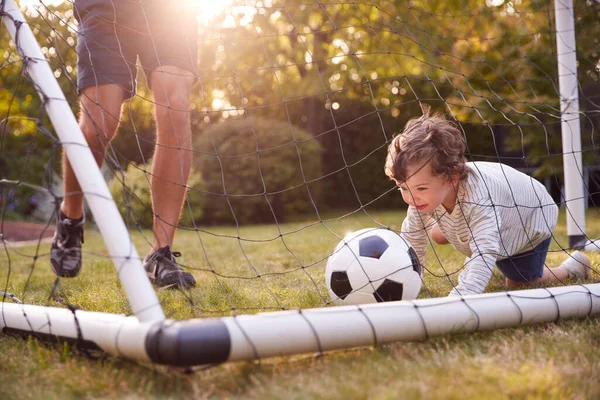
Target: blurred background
[{"x": 296, "y": 102}]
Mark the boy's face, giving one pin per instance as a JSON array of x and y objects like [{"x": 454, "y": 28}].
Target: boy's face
[{"x": 425, "y": 191}]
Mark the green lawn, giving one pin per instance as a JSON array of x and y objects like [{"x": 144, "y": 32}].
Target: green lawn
[{"x": 267, "y": 267}]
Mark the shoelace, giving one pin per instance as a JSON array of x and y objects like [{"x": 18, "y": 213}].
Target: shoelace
[
  {"x": 68, "y": 228},
  {"x": 165, "y": 253}
]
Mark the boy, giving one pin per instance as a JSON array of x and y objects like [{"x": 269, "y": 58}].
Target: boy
[{"x": 490, "y": 212}]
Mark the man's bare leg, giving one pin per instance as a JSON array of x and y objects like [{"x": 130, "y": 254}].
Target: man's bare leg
[
  {"x": 173, "y": 152},
  {"x": 100, "y": 109},
  {"x": 99, "y": 119}
]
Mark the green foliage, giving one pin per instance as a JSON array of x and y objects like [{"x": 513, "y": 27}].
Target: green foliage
[
  {"x": 133, "y": 195},
  {"x": 489, "y": 65},
  {"x": 492, "y": 68},
  {"x": 29, "y": 152},
  {"x": 262, "y": 169},
  {"x": 27, "y": 157},
  {"x": 356, "y": 135}
]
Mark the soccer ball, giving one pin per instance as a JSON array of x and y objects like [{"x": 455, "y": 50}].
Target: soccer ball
[{"x": 373, "y": 265}]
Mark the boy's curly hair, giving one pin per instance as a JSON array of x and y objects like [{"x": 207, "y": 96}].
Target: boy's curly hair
[{"x": 432, "y": 138}]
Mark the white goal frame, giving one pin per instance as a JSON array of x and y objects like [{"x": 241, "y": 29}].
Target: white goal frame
[{"x": 148, "y": 336}]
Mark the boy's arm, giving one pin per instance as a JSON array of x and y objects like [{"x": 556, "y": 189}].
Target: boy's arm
[
  {"x": 484, "y": 226},
  {"x": 414, "y": 231}
]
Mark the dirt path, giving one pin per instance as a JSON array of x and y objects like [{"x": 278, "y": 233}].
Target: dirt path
[{"x": 21, "y": 232}]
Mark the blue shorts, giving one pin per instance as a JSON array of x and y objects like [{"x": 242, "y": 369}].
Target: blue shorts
[
  {"x": 112, "y": 34},
  {"x": 526, "y": 267}
]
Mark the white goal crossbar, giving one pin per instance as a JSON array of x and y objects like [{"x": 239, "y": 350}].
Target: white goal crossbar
[{"x": 248, "y": 337}]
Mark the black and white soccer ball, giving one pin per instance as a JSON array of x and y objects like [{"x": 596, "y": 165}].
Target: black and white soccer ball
[{"x": 373, "y": 265}]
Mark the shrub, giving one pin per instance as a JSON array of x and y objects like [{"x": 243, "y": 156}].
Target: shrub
[
  {"x": 133, "y": 197},
  {"x": 355, "y": 142},
  {"x": 253, "y": 171}
]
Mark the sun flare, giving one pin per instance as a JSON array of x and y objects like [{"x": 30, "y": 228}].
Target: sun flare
[
  {"x": 208, "y": 9},
  {"x": 229, "y": 13}
]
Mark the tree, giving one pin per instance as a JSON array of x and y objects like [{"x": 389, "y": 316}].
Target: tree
[{"x": 342, "y": 70}]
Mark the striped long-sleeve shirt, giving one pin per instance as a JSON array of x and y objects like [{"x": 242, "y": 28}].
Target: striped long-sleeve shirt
[{"x": 499, "y": 212}]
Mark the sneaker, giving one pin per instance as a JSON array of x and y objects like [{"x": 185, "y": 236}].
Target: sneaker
[
  {"x": 577, "y": 266},
  {"x": 163, "y": 270},
  {"x": 65, "y": 253}
]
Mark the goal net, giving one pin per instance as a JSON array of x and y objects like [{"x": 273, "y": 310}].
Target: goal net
[{"x": 291, "y": 107}]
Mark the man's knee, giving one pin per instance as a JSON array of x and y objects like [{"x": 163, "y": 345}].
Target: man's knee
[
  {"x": 174, "y": 107},
  {"x": 97, "y": 128},
  {"x": 171, "y": 87},
  {"x": 100, "y": 113}
]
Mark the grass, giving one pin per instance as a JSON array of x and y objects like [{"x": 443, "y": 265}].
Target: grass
[{"x": 259, "y": 268}]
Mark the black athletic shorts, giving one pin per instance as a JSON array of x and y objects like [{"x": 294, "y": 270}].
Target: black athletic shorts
[{"x": 112, "y": 33}]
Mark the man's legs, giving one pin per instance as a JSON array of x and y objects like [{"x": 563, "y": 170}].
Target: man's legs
[
  {"x": 173, "y": 152},
  {"x": 100, "y": 110},
  {"x": 99, "y": 119}
]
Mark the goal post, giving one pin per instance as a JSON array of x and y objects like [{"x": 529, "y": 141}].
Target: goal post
[
  {"x": 147, "y": 336},
  {"x": 570, "y": 121}
]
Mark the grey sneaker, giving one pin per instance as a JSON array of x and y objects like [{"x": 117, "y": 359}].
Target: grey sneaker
[
  {"x": 577, "y": 266},
  {"x": 65, "y": 252},
  {"x": 163, "y": 270}
]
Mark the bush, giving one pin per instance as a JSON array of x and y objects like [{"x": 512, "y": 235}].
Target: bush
[
  {"x": 355, "y": 142},
  {"x": 360, "y": 141},
  {"x": 252, "y": 170},
  {"x": 134, "y": 199}
]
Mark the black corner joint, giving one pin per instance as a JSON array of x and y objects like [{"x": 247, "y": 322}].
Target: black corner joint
[
  {"x": 189, "y": 343},
  {"x": 577, "y": 242}
]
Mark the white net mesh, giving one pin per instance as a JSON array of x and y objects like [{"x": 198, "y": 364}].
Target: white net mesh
[{"x": 286, "y": 122}]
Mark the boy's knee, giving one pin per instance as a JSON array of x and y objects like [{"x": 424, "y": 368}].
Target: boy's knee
[
  {"x": 439, "y": 239},
  {"x": 510, "y": 284},
  {"x": 437, "y": 236}
]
